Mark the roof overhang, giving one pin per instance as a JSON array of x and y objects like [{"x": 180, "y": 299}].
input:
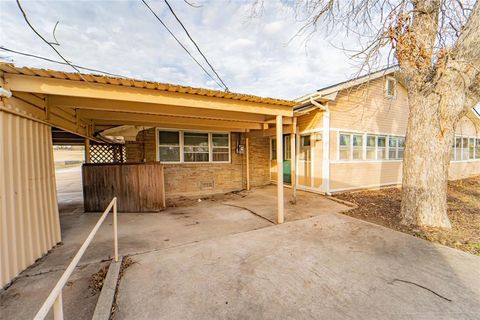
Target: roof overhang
[
  {"x": 330, "y": 93},
  {"x": 87, "y": 104}
]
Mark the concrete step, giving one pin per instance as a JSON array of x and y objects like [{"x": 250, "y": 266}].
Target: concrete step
[{"x": 105, "y": 300}]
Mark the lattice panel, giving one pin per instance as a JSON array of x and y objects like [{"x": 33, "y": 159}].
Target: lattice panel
[{"x": 107, "y": 153}]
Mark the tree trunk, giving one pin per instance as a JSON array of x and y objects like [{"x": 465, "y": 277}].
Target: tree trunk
[{"x": 425, "y": 165}]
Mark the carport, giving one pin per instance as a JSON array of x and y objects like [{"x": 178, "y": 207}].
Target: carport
[{"x": 89, "y": 108}]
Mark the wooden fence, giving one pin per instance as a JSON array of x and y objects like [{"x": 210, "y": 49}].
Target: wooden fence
[{"x": 139, "y": 187}]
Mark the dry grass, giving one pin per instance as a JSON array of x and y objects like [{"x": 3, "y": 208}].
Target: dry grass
[
  {"x": 383, "y": 207},
  {"x": 97, "y": 279}
]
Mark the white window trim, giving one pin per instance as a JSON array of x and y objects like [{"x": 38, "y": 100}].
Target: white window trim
[
  {"x": 387, "y": 79},
  {"x": 475, "y": 156},
  {"x": 210, "y": 146},
  {"x": 365, "y": 134}
]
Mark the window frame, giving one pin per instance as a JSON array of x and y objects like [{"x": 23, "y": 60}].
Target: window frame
[
  {"x": 305, "y": 150},
  {"x": 158, "y": 145},
  {"x": 365, "y": 135},
  {"x": 273, "y": 150},
  {"x": 477, "y": 148},
  {"x": 464, "y": 151},
  {"x": 211, "y": 146},
  {"x": 387, "y": 80},
  {"x": 182, "y": 145},
  {"x": 348, "y": 147}
]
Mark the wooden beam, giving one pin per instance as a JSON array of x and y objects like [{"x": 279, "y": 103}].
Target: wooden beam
[
  {"x": 87, "y": 150},
  {"x": 166, "y": 125},
  {"x": 248, "y": 162},
  {"x": 55, "y": 120},
  {"x": 62, "y": 87},
  {"x": 150, "y": 108},
  {"x": 293, "y": 157},
  {"x": 280, "y": 202},
  {"x": 95, "y": 115},
  {"x": 273, "y": 120}
]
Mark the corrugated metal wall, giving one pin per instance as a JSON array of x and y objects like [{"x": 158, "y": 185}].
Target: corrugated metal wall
[{"x": 29, "y": 220}]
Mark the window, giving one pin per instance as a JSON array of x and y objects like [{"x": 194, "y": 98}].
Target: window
[
  {"x": 390, "y": 87},
  {"x": 471, "y": 148},
  {"x": 477, "y": 149},
  {"x": 351, "y": 146},
  {"x": 220, "y": 147},
  {"x": 345, "y": 147},
  {"x": 305, "y": 148},
  {"x": 357, "y": 142},
  {"x": 458, "y": 148},
  {"x": 465, "y": 148},
  {"x": 287, "y": 153},
  {"x": 274, "y": 149},
  {"x": 195, "y": 147},
  {"x": 392, "y": 147},
  {"x": 401, "y": 147},
  {"x": 371, "y": 147},
  {"x": 186, "y": 146},
  {"x": 396, "y": 147},
  {"x": 381, "y": 147},
  {"x": 169, "y": 146}
]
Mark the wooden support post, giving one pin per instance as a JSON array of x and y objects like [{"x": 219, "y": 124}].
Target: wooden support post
[
  {"x": 58, "y": 308},
  {"x": 115, "y": 230},
  {"x": 87, "y": 150},
  {"x": 248, "y": 162},
  {"x": 280, "y": 202},
  {"x": 293, "y": 149}
]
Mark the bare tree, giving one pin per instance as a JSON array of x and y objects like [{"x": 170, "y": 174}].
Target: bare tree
[{"x": 437, "y": 46}]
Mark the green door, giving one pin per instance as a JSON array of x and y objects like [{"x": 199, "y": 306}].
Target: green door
[{"x": 287, "y": 162}]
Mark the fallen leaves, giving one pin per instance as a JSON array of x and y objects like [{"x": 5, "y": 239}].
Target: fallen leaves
[{"x": 383, "y": 207}]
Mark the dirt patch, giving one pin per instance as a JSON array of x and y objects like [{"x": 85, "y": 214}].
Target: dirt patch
[
  {"x": 95, "y": 283},
  {"x": 383, "y": 207}
]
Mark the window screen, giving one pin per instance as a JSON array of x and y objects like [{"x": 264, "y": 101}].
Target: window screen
[
  {"x": 169, "y": 146},
  {"x": 195, "y": 147}
]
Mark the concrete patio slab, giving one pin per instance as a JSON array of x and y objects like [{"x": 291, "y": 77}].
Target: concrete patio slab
[
  {"x": 262, "y": 201},
  {"x": 327, "y": 267},
  {"x": 25, "y": 297}
]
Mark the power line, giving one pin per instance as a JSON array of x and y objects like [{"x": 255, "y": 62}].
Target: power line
[
  {"x": 184, "y": 48},
  {"x": 44, "y": 40},
  {"x": 59, "y": 62},
  {"x": 196, "y": 45}
]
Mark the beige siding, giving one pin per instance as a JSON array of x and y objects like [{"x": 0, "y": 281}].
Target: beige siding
[
  {"x": 184, "y": 179},
  {"x": 466, "y": 127},
  {"x": 29, "y": 221},
  {"x": 365, "y": 108},
  {"x": 463, "y": 169},
  {"x": 363, "y": 175},
  {"x": 310, "y": 121}
]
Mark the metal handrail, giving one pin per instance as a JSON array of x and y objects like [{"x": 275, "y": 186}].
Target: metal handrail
[{"x": 55, "y": 297}]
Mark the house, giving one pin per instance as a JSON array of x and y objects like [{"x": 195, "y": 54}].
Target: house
[
  {"x": 203, "y": 141},
  {"x": 352, "y": 135},
  {"x": 207, "y": 141}
]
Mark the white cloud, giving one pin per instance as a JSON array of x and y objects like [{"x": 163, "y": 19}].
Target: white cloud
[{"x": 252, "y": 55}]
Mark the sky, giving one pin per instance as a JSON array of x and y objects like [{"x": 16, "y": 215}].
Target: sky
[{"x": 253, "y": 54}]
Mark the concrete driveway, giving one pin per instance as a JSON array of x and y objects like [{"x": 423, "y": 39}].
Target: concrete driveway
[
  {"x": 327, "y": 267},
  {"x": 214, "y": 260}
]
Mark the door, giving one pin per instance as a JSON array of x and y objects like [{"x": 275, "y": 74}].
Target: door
[
  {"x": 305, "y": 161},
  {"x": 287, "y": 159}
]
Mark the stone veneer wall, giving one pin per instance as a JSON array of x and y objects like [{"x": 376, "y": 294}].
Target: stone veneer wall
[{"x": 186, "y": 179}]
